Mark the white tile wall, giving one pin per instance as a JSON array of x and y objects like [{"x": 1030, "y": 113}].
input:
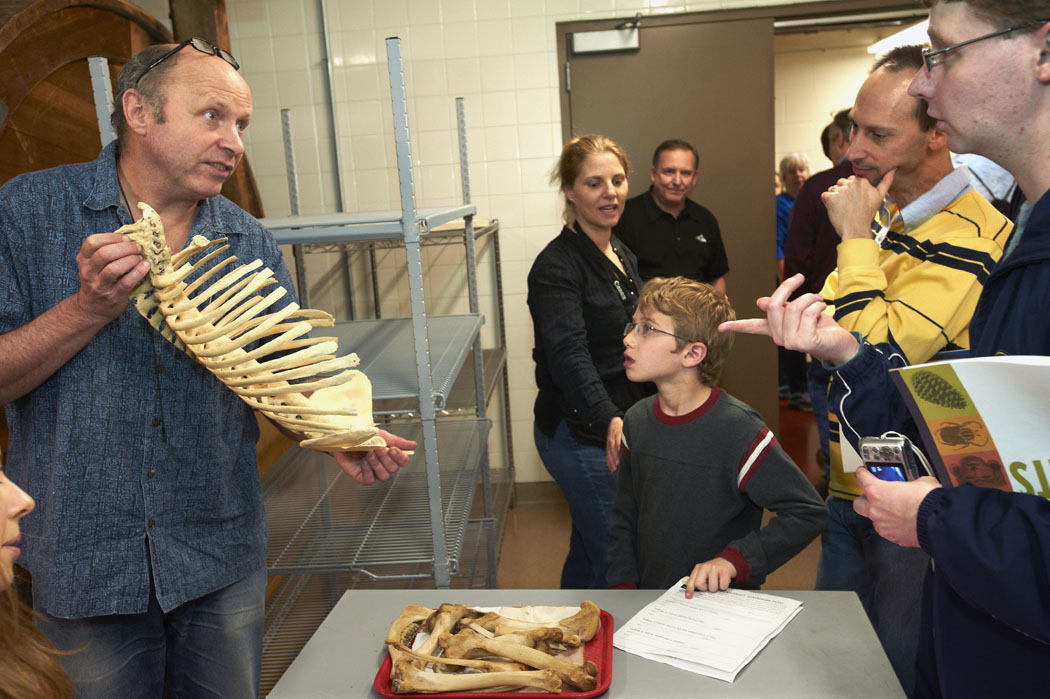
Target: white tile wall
[
  {"x": 816, "y": 75},
  {"x": 498, "y": 54}
]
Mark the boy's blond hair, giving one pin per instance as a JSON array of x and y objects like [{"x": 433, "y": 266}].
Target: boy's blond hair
[{"x": 696, "y": 310}]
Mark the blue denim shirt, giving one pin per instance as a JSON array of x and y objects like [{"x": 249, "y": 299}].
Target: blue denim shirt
[{"x": 131, "y": 449}]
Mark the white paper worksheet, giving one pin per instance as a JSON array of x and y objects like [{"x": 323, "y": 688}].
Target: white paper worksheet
[{"x": 714, "y": 633}]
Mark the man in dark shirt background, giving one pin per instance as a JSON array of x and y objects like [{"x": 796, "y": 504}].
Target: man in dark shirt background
[{"x": 671, "y": 234}]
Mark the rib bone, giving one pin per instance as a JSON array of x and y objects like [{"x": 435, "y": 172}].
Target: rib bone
[
  {"x": 406, "y": 678},
  {"x": 217, "y": 316},
  {"x": 468, "y": 643},
  {"x": 475, "y": 665},
  {"x": 584, "y": 623}
]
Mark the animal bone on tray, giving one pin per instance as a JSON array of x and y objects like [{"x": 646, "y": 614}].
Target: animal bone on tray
[
  {"x": 215, "y": 319},
  {"x": 469, "y": 650}
]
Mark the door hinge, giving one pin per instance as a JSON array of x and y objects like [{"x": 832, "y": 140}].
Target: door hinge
[{"x": 568, "y": 78}]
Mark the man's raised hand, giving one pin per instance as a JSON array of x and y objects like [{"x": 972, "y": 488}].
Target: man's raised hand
[
  {"x": 799, "y": 325},
  {"x": 852, "y": 204},
  {"x": 110, "y": 267}
]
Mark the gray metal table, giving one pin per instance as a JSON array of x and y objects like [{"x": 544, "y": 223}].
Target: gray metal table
[{"x": 828, "y": 650}]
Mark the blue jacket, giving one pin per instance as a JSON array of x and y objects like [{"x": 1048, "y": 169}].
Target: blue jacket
[
  {"x": 986, "y": 604},
  {"x": 1011, "y": 315}
]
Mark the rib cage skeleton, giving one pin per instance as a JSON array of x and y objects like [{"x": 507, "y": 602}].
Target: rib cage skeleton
[{"x": 217, "y": 318}]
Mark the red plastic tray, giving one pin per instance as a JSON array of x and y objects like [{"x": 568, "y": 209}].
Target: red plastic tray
[{"x": 599, "y": 650}]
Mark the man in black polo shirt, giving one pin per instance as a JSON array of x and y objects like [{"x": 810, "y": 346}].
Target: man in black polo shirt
[{"x": 671, "y": 234}]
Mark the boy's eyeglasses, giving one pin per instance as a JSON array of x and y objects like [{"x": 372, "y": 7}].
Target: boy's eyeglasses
[
  {"x": 645, "y": 330},
  {"x": 935, "y": 58},
  {"x": 202, "y": 45}
]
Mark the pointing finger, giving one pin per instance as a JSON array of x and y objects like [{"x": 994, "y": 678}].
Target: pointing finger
[{"x": 748, "y": 326}]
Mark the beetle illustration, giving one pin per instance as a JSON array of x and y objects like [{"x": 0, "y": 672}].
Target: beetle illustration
[{"x": 955, "y": 434}]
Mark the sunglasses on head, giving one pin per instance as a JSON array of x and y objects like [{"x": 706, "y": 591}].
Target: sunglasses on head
[{"x": 202, "y": 45}]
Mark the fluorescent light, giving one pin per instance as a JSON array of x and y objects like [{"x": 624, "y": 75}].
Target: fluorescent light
[
  {"x": 846, "y": 20},
  {"x": 912, "y": 35}
]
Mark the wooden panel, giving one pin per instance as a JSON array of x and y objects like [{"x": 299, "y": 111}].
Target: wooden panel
[
  {"x": 51, "y": 126},
  {"x": 46, "y": 87},
  {"x": 271, "y": 446},
  {"x": 241, "y": 189},
  {"x": 68, "y": 35},
  {"x": 18, "y": 15},
  {"x": 203, "y": 18}
]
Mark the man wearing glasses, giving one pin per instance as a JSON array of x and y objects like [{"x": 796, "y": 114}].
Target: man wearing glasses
[
  {"x": 987, "y": 81},
  {"x": 908, "y": 288},
  {"x": 148, "y": 546},
  {"x": 985, "y": 624}
]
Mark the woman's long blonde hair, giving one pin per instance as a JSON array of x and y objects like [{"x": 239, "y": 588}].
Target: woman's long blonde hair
[{"x": 29, "y": 667}]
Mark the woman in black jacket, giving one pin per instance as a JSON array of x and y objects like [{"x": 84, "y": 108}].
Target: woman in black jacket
[{"x": 583, "y": 288}]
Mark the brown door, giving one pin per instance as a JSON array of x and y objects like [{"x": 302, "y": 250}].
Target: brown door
[{"x": 710, "y": 83}]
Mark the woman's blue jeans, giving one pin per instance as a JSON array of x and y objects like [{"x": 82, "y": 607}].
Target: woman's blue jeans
[{"x": 590, "y": 488}]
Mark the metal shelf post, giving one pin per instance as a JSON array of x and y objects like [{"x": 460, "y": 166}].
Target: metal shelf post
[
  {"x": 326, "y": 532},
  {"x": 293, "y": 204},
  {"x": 410, "y": 233},
  {"x": 472, "y": 296}
]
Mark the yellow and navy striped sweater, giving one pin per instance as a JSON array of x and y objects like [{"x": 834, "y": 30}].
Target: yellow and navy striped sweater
[{"x": 917, "y": 291}]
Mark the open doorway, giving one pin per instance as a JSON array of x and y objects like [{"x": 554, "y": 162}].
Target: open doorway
[
  {"x": 739, "y": 85},
  {"x": 816, "y": 73}
]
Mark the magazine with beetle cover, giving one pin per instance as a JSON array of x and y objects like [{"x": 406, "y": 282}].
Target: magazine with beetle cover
[{"x": 984, "y": 421}]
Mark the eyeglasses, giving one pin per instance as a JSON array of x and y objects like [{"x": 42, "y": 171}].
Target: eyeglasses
[
  {"x": 645, "y": 330},
  {"x": 202, "y": 45},
  {"x": 935, "y": 58}
]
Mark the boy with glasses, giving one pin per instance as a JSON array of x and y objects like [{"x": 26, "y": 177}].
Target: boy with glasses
[{"x": 697, "y": 466}]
